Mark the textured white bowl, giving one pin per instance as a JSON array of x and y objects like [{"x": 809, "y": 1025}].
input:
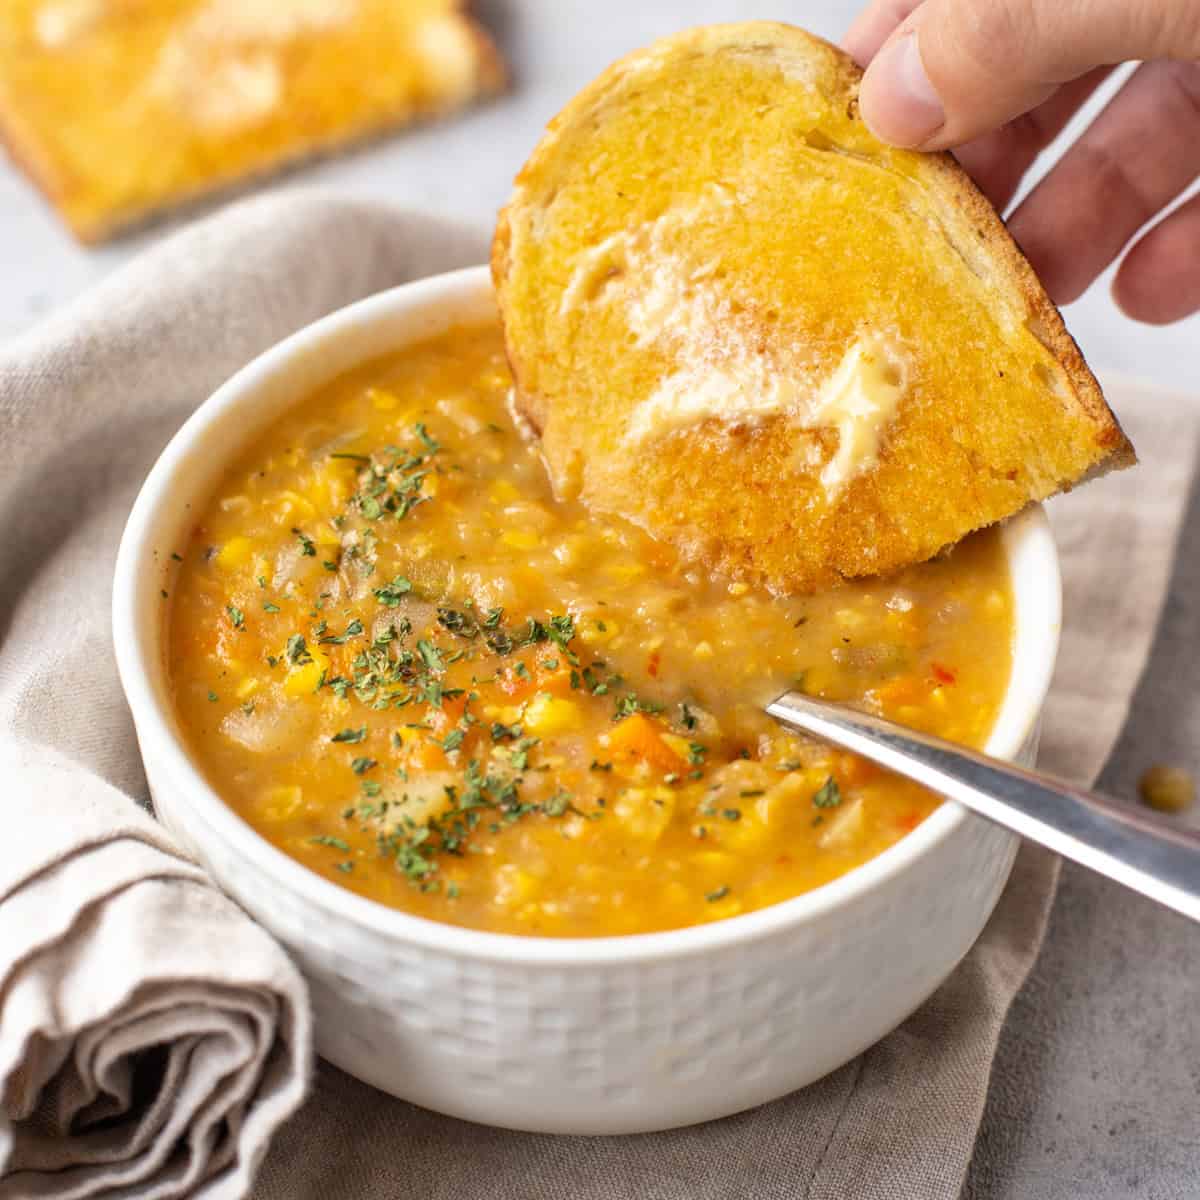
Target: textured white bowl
[{"x": 605, "y": 1035}]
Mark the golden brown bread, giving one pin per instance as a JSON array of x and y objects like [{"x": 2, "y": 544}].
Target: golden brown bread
[
  {"x": 739, "y": 320},
  {"x": 120, "y": 109}
]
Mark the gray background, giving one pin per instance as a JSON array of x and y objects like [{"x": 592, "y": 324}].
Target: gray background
[{"x": 1095, "y": 1091}]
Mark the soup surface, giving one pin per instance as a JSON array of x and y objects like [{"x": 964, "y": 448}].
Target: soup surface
[{"x": 401, "y": 660}]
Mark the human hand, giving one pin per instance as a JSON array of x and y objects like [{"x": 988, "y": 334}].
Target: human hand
[{"x": 998, "y": 80}]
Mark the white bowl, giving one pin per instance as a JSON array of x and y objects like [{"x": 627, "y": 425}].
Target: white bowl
[{"x": 597, "y": 1035}]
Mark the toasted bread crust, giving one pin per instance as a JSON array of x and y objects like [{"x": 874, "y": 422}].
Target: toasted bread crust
[
  {"x": 752, "y": 542},
  {"x": 93, "y": 220}
]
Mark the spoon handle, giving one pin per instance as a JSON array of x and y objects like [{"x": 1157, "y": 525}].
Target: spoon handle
[{"x": 1139, "y": 849}]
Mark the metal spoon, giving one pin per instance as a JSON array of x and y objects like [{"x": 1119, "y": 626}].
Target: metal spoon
[{"x": 1139, "y": 849}]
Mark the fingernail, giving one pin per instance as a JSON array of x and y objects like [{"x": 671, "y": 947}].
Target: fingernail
[{"x": 897, "y": 100}]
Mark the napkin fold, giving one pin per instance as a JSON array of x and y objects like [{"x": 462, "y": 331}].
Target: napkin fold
[{"x": 152, "y": 1039}]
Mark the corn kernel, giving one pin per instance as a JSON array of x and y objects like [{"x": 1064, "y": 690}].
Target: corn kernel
[
  {"x": 280, "y": 803},
  {"x": 503, "y": 492},
  {"x": 382, "y": 400},
  {"x": 514, "y": 886},
  {"x": 680, "y": 745},
  {"x": 738, "y": 588},
  {"x": 625, "y": 570},
  {"x": 718, "y": 910},
  {"x": 247, "y": 687},
  {"x": 292, "y": 504},
  {"x": 234, "y": 553},
  {"x": 714, "y": 862},
  {"x": 703, "y": 650},
  {"x": 301, "y": 681},
  {"x": 645, "y": 812},
  {"x": 597, "y": 632},
  {"x": 521, "y": 539},
  {"x": 546, "y": 715}
]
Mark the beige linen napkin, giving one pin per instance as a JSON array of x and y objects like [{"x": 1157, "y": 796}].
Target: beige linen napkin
[
  {"x": 152, "y": 1037},
  {"x": 130, "y": 949}
]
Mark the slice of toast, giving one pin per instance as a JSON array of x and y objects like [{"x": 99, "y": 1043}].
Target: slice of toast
[
  {"x": 120, "y": 109},
  {"x": 739, "y": 320}
]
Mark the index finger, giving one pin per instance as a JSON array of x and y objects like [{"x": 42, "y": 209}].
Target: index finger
[{"x": 874, "y": 25}]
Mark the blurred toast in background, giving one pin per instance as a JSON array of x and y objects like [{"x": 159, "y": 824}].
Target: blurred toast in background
[{"x": 122, "y": 109}]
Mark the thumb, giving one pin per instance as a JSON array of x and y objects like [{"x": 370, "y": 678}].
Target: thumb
[{"x": 956, "y": 69}]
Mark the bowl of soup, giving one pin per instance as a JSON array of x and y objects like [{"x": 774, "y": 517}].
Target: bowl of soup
[{"x": 496, "y": 770}]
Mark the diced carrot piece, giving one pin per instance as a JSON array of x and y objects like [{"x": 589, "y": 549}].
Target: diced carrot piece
[
  {"x": 518, "y": 685},
  {"x": 443, "y": 719},
  {"x": 943, "y": 674},
  {"x": 557, "y": 682},
  {"x": 637, "y": 736},
  {"x": 536, "y": 678},
  {"x": 904, "y": 689},
  {"x": 423, "y": 755}
]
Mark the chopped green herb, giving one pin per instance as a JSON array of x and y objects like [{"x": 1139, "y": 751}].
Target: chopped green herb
[
  {"x": 237, "y": 618},
  {"x": 557, "y": 804},
  {"x": 307, "y": 548},
  {"x": 353, "y": 630},
  {"x": 719, "y": 894},
  {"x": 391, "y": 594},
  {"x": 360, "y": 766},
  {"x": 828, "y": 795},
  {"x": 430, "y": 656},
  {"x": 457, "y": 622},
  {"x": 297, "y": 651},
  {"x": 629, "y": 704},
  {"x": 452, "y": 740},
  {"x": 269, "y": 607},
  {"x": 350, "y": 735},
  {"x": 335, "y": 843}
]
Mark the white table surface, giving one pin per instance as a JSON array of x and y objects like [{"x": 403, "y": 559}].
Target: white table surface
[{"x": 1110, "y": 1115}]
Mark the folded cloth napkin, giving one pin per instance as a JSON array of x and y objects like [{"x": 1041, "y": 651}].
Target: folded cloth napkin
[{"x": 152, "y": 1039}]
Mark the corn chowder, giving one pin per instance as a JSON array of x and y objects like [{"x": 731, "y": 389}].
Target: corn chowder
[{"x": 403, "y": 662}]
